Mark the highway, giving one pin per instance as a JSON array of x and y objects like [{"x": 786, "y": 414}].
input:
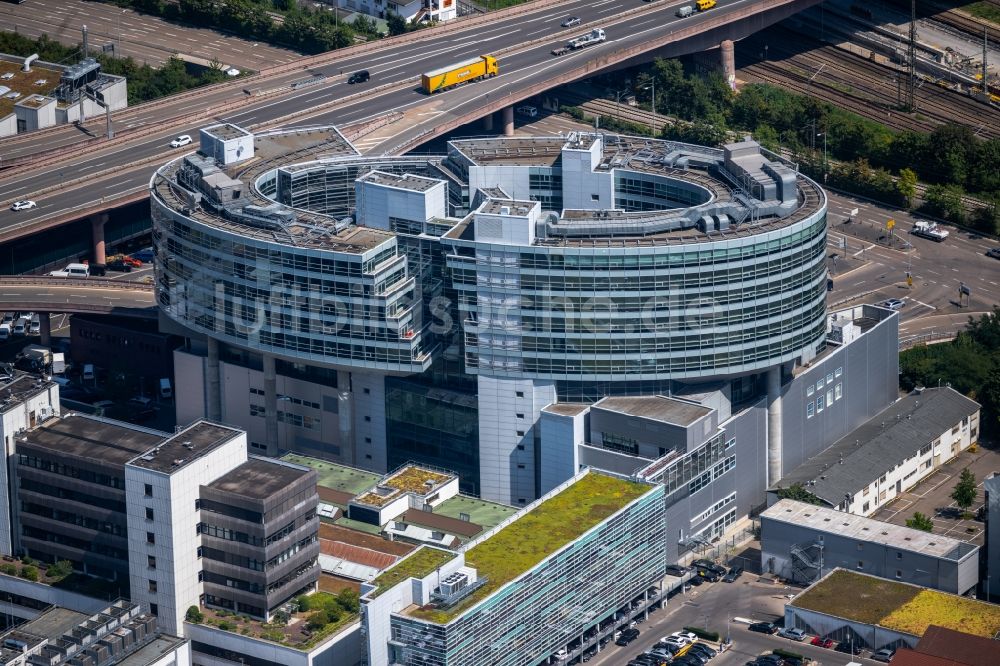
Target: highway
[
  {"x": 77, "y": 295},
  {"x": 105, "y": 178}
]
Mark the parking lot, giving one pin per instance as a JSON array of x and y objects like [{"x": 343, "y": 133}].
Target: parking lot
[{"x": 715, "y": 606}]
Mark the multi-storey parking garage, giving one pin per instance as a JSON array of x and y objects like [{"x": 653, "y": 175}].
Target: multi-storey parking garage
[{"x": 505, "y": 276}]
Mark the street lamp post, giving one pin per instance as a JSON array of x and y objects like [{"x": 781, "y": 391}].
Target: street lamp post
[
  {"x": 823, "y": 134},
  {"x": 119, "y": 53}
]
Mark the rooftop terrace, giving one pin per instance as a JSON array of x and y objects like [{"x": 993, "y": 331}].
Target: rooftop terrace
[
  {"x": 537, "y": 533},
  {"x": 409, "y": 479},
  {"x": 898, "y": 606}
]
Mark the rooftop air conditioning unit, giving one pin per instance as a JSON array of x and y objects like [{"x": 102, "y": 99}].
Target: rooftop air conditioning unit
[{"x": 454, "y": 583}]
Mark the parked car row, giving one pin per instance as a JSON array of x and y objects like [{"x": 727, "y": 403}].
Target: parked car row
[
  {"x": 793, "y": 633},
  {"x": 19, "y": 324},
  {"x": 681, "y": 648}
]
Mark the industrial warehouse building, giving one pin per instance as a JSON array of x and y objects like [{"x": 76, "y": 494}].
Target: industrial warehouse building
[{"x": 802, "y": 542}]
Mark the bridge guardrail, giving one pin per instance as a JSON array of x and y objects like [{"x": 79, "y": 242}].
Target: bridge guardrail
[{"x": 46, "y": 281}]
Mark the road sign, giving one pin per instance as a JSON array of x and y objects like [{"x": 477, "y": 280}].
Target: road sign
[
  {"x": 890, "y": 224},
  {"x": 909, "y": 281},
  {"x": 853, "y": 212}
]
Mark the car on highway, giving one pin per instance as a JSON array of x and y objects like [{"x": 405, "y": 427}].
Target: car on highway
[
  {"x": 884, "y": 654},
  {"x": 822, "y": 641},
  {"x": 763, "y": 627},
  {"x": 182, "y": 140},
  {"x": 676, "y": 570},
  {"x": 570, "y": 21},
  {"x": 893, "y": 304},
  {"x": 359, "y": 77},
  {"x": 793, "y": 633},
  {"x": 993, "y": 253},
  {"x": 27, "y": 204}
]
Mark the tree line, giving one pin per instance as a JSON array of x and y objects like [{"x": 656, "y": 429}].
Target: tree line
[{"x": 845, "y": 149}]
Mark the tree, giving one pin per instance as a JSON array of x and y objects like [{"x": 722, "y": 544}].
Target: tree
[
  {"x": 907, "y": 185},
  {"x": 194, "y": 615},
  {"x": 946, "y": 201},
  {"x": 395, "y": 23},
  {"x": 920, "y": 522},
  {"x": 964, "y": 493},
  {"x": 798, "y": 492}
]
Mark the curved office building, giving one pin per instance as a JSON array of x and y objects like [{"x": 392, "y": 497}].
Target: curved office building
[{"x": 318, "y": 287}]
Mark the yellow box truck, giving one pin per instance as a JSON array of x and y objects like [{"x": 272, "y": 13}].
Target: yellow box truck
[{"x": 469, "y": 70}]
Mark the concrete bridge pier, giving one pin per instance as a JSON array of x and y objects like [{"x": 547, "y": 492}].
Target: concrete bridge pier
[
  {"x": 728, "y": 52},
  {"x": 45, "y": 329},
  {"x": 508, "y": 121},
  {"x": 488, "y": 122},
  {"x": 97, "y": 223}
]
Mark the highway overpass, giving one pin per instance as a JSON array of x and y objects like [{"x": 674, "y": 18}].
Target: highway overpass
[
  {"x": 76, "y": 296},
  {"x": 116, "y": 172}
]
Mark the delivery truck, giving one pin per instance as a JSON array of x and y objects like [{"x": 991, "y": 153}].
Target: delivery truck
[
  {"x": 476, "y": 69},
  {"x": 595, "y": 36}
]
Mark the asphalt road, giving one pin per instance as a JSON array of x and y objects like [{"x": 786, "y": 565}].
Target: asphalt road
[
  {"x": 145, "y": 38},
  {"x": 932, "y": 304},
  {"x": 390, "y": 64}
]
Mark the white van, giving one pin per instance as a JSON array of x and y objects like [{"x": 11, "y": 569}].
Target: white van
[
  {"x": 20, "y": 327},
  {"x": 73, "y": 270},
  {"x": 166, "y": 391},
  {"x": 88, "y": 372},
  {"x": 4, "y": 331}
]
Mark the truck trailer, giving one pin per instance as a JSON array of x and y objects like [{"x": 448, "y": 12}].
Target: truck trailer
[{"x": 476, "y": 69}]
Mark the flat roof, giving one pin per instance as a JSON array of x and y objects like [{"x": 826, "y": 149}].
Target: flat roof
[
  {"x": 539, "y": 531},
  {"x": 823, "y": 519},
  {"x": 408, "y": 479},
  {"x": 54, "y": 622},
  {"x": 508, "y": 207},
  {"x": 479, "y": 511},
  {"x": 152, "y": 651},
  {"x": 898, "y": 432},
  {"x": 259, "y": 478},
  {"x": 186, "y": 446},
  {"x": 83, "y": 436},
  {"x": 898, "y": 606},
  {"x": 406, "y": 181},
  {"x": 333, "y": 475},
  {"x": 658, "y": 408},
  {"x": 22, "y": 387},
  {"x": 566, "y": 408},
  {"x": 227, "y": 131}
]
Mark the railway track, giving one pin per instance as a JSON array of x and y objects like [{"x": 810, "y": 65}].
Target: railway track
[{"x": 864, "y": 87}]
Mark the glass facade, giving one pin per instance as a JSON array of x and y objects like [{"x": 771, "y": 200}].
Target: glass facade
[
  {"x": 642, "y": 313},
  {"x": 556, "y": 601},
  {"x": 436, "y": 424},
  {"x": 323, "y": 306}
]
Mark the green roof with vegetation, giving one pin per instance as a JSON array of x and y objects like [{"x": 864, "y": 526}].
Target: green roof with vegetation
[
  {"x": 338, "y": 477},
  {"x": 422, "y": 562},
  {"x": 480, "y": 512},
  {"x": 539, "y": 533},
  {"x": 898, "y": 606}
]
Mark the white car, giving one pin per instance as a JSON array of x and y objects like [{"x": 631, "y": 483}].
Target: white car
[
  {"x": 182, "y": 140},
  {"x": 893, "y": 304},
  {"x": 528, "y": 111},
  {"x": 682, "y": 637},
  {"x": 7, "y": 76},
  {"x": 27, "y": 204}
]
